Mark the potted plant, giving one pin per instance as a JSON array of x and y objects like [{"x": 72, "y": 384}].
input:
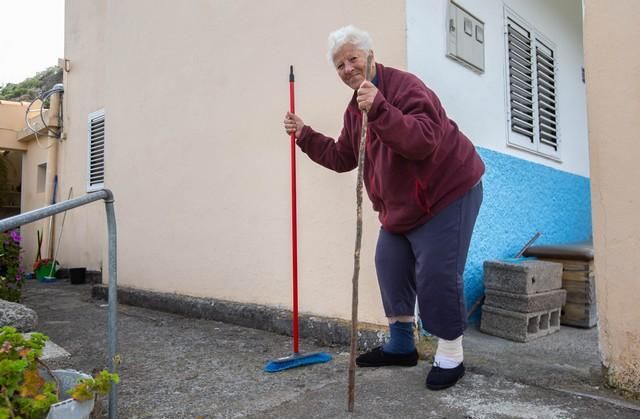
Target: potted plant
[{"x": 25, "y": 390}]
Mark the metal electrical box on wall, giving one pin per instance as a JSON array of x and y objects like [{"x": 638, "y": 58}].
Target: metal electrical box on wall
[{"x": 465, "y": 38}]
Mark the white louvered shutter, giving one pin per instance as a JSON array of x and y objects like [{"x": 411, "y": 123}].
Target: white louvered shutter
[
  {"x": 531, "y": 88},
  {"x": 546, "y": 83},
  {"x": 520, "y": 80},
  {"x": 95, "y": 164}
]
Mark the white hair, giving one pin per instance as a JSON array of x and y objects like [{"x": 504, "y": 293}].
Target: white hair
[{"x": 348, "y": 35}]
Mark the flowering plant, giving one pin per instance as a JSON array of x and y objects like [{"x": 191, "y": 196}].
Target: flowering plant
[
  {"x": 11, "y": 272},
  {"x": 27, "y": 393}
]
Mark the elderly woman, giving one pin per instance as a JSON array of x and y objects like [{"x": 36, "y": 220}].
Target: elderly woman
[{"x": 423, "y": 177}]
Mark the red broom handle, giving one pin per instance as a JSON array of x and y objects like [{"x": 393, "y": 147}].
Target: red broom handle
[{"x": 294, "y": 219}]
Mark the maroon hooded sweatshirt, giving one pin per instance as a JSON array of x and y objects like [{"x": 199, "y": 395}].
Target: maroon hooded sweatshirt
[{"x": 417, "y": 161}]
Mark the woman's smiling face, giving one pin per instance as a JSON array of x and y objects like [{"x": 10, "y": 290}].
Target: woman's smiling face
[{"x": 350, "y": 63}]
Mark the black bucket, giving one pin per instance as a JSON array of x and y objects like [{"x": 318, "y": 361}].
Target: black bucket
[{"x": 77, "y": 275}]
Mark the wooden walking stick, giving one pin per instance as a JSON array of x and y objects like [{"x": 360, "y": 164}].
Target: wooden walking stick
[{"x": 356, "y": 254}]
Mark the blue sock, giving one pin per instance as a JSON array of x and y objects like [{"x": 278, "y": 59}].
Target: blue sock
[{"x": 401, "y": 341}]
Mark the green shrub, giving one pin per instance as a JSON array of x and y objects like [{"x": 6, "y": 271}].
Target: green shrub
[
  {"x": 11, "y": 272},
  {"x": 23, "y": 392}
]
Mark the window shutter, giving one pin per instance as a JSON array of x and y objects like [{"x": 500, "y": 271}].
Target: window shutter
[
  {"x": 546, "y": 83},
  {"x": 520, "y": 80},
  {"x": 95, "y": 178},
  {"x": 531, "y": 88}
]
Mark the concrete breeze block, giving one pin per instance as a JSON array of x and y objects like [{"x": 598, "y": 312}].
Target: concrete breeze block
[
  {"x": 522, "y": 276},
  {"x": 519, "y": 327},
  {"x": 525, "y": 303}
]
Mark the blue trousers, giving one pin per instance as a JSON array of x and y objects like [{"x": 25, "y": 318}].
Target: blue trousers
[{"x": 427, "y": 263}]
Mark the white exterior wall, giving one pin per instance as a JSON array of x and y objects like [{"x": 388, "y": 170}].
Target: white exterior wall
[
  {"x": 477, "y": 102},
  {"x": 197, "y": 158}
]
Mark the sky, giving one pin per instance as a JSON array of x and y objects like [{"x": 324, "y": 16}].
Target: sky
[{"x": 31, "y": 37}]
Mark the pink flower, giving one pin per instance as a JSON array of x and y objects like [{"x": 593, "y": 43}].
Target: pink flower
[{"x": 15, "y": 235}]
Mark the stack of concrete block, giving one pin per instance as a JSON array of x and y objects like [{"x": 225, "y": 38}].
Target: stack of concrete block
[{"x": 523, "y": 299}]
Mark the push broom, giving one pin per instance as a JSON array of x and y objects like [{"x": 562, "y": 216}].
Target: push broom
[{"x": 297, "y": 359}]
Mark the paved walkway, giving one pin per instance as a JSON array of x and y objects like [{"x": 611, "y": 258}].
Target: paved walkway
[{"x": 178, "y": 367}]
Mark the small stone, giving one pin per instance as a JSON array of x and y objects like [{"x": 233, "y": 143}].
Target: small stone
[{"x": 53, "y": 351}]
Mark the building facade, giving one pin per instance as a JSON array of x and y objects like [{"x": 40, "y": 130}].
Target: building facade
[{"x": 189, "y": 102}]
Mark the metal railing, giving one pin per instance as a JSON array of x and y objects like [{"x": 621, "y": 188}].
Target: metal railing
[{"x": 112, "y": 327}]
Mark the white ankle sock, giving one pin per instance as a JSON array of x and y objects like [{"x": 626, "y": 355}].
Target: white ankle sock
[{"x": 449, "y": 353}]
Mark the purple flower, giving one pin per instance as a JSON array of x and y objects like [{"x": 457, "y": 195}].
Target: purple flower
[{"x": 15, "y": 235}]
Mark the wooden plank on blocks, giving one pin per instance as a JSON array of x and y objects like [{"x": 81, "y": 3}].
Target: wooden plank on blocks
[
  {"x": 573, "y": 265},
  {"x": 577, "y": 276},
  {"x": 582, "y": 292},
  {"x": 581, "y": 315}
]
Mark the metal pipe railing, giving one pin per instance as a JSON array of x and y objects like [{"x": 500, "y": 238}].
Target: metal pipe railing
[{"x": 112, "y": 319}]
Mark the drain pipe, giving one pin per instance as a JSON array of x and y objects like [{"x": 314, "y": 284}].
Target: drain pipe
[{"x": 53, "y": 120}]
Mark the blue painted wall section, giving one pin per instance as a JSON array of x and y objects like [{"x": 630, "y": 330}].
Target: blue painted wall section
[{"x": 520, "y": 198}]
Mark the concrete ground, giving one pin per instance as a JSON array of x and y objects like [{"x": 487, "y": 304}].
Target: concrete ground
[{"x": 179, "y": 367}]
